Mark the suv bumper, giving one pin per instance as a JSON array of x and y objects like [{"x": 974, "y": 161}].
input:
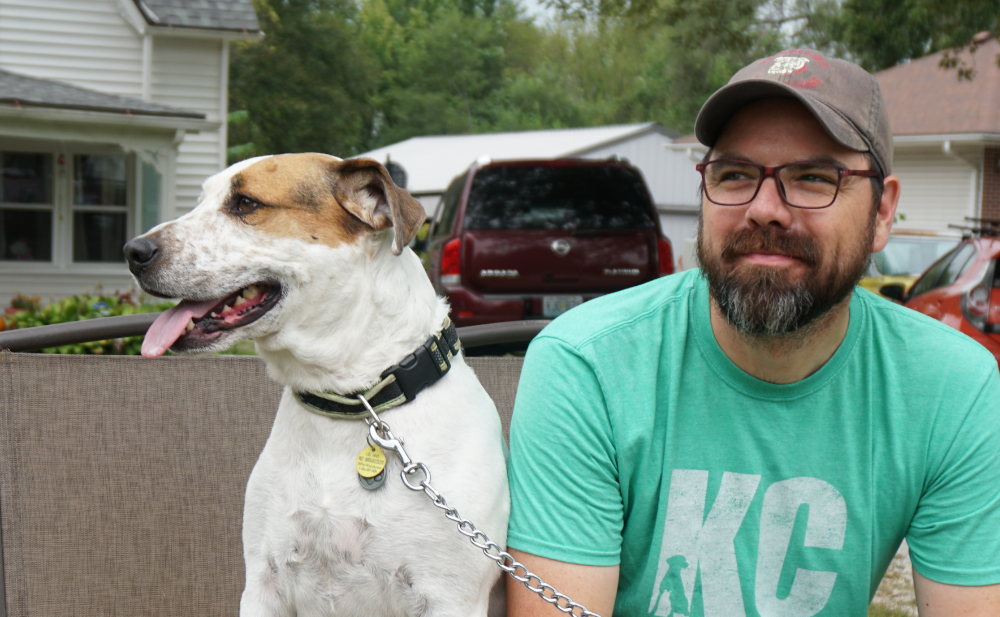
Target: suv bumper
[{"x": 469, "y": 308}]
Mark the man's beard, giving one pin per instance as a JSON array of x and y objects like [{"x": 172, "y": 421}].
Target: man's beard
[{"x": 765, "y": 302}]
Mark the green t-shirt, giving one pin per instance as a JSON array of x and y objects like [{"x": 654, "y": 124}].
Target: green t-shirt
[{"x": 636, "y": 441}]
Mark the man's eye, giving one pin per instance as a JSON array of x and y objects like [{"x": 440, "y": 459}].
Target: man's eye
[
  {"x": 736, "y": 175},
  {"x": 818, "y": 178}
]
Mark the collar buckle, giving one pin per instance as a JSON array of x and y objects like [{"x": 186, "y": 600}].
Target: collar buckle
[{"x": 421, "y": 368}]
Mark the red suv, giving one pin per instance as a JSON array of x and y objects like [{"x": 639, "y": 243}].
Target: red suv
[
  {"x": 962, "y": 289},
  {"x": 532, "y": 239}
]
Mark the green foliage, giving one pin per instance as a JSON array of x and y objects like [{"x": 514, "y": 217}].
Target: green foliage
[
  {"x": 306, "y": 85},
  {"x": 882, "y": 33},
  {"x": 30, "y": 312},
  {"x": 347, "y": 76}
]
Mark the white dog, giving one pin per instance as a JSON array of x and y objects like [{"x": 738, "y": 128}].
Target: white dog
[{"x": 306, "y": 255}]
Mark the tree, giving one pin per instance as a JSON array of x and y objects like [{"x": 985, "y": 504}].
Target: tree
[
  {"x": 306, "y": 86},
  {"x": 882, "y": 33}
]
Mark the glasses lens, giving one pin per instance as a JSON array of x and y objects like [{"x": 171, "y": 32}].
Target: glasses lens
[
  {"x": 810, "y": 185},
  {"x": 731, "y": 182}
]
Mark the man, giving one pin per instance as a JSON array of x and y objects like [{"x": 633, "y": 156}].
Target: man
[{"x": 757, "y": 437}]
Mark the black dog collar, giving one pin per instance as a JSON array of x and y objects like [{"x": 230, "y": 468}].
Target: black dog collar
[{"x": 397, "y": 385}]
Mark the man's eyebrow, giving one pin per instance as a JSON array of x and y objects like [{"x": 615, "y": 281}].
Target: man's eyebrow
[{"x": 821, "y": 158}]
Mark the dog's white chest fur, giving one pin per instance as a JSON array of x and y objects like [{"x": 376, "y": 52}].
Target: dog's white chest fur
[{"x": 312, "y": 531}]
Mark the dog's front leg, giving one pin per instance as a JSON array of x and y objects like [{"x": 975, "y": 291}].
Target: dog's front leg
[{"x": 264, "y": 595}]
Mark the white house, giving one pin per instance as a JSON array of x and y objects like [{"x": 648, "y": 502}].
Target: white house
[
  {"x": 430, "y": 163},
  {"x": 112, "y": 114}
]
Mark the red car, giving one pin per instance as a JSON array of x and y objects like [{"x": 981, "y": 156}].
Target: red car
[
  {"x": 532, "y": 239},
  {"x": 962, "y": 289}
]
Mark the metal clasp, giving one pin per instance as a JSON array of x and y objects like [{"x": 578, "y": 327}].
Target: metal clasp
[{"x": 388, "y": 442}]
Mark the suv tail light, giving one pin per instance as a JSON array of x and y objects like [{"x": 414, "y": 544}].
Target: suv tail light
[
  {"x": 666, "y": 256},
  {"x": 451, "y": 263},
  {"x": 975, "y": 302}
]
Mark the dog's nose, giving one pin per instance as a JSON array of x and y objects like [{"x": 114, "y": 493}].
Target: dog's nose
[{"x": 140, "y": 253}]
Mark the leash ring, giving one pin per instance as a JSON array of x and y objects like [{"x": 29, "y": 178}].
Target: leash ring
[{"x": 409, "y": 469}]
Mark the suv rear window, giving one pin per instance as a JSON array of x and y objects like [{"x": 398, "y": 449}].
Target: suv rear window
[{"x": 548, "y": 197}]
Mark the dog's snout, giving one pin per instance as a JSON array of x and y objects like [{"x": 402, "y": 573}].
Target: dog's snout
[{"x": 140, "y": 253}]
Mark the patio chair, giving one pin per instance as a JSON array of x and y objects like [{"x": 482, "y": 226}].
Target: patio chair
[{"x": 122, "y": 478}]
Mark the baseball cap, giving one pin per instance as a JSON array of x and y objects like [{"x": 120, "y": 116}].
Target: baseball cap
[{"x": 843, "y": 97}]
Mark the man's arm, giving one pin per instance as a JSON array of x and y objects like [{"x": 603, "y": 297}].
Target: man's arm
[
  {"x": 592, "y": 586},
  {"x": 940, "y": 600}
]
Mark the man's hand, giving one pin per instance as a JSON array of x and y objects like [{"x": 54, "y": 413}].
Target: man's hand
[
  {"x": 592, "y": 586},
  {"x": 939, "y": 600}
]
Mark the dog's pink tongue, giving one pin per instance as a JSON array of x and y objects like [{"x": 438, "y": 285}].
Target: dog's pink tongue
[{"x": 170, "y": 325}]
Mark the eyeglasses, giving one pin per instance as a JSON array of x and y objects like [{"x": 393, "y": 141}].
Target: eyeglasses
[{"x": 802, "y": 185}]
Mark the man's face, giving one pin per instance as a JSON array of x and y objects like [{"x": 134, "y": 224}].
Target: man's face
[{"x": 772, "y": 268}]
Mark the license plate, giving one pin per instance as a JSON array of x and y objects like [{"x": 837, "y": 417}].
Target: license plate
[{"x": 553, "y": 306}]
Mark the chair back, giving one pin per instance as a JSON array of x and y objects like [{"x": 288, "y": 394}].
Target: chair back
[{"x": 122, "y": 479}]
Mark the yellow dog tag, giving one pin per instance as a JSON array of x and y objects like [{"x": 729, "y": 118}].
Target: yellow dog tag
[{"x": 370, "y": 462}]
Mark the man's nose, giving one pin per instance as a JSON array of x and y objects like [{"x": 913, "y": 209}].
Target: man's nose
[
  {"x": 768, "y": 207},
  {"x": 141, "y": 253}
]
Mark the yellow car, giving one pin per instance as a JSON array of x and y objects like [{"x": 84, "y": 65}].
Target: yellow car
[{"x": 905, "y": 257}]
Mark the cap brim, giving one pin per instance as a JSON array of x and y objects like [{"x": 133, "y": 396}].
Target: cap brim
[{"x": 721, "y": 106}]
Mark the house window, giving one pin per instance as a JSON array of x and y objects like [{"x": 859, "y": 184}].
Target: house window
[
  {"x": 64, "y": 208},
  {"x": 26, "y": 206},
  {"x": 100, "y": 207}
]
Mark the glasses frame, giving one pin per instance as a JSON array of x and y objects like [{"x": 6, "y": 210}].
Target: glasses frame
[{"x": 766, "y": 172}]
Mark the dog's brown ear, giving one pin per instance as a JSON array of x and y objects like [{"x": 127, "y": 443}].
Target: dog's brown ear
[{"x": 363, "y": 187}]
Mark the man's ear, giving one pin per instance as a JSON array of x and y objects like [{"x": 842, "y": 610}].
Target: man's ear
[{"x": 365, "y": 189}]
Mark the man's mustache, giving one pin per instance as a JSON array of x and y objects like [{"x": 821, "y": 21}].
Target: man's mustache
[{"x": 771, "y": 240}]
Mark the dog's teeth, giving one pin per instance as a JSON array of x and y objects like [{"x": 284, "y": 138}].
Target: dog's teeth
[
  {"x": 240, "y": 300},
  {"x": 226, "y": 308},
  {"x": 190, "y": 325},
  {"x": 215, "y": 314},
  {"x": 250, "y": 292}
]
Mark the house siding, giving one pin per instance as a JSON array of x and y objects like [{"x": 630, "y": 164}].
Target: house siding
[
  {"x": 82, "y": 42},
  {"x": 187, "y": 73},
  {"x": 935, "y": 189}
]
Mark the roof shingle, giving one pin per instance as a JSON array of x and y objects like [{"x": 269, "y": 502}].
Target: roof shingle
[
  {"x": 924, "y": 99},
  {"x": 210, "y": 14},
  {"x": 20, "y": 90}
]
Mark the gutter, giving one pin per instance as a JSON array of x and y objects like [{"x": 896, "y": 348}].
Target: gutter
[
  {"x": 939, "y": 139},
  {"x": 693, "y": 150},
  {"x": 194, "y": 32},
  {"x": 93, "y": 116}
]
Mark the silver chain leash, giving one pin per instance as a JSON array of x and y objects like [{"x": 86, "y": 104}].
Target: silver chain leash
[{"x": 378, "y": 431}]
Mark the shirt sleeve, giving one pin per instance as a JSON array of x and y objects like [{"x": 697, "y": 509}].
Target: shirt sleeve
[
  {"x": 954, "y": 536},
  {"x": 566, "y": 503}
]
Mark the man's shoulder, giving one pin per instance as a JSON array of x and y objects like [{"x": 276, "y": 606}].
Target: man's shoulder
[
  {"x": 634, "y": 309},
  {"x": 922, "y": 341}
]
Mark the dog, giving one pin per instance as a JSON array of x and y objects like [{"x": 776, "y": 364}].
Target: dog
[{"x": 306, "y": 254}]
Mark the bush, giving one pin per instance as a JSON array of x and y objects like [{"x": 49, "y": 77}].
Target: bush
[{"x": 26, "y": 312}]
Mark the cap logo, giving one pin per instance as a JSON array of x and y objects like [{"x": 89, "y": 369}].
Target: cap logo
[{"x": 786, "y": 65}]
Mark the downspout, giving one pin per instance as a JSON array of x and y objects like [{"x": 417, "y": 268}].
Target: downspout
[
  {"x": 147, "y": 67},
  {"x": 974, "y": 207},
  {"x": 692, "y": 156}
]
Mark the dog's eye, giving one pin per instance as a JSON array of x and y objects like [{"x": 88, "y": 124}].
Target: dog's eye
[{"x": 244, "y": 205}]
